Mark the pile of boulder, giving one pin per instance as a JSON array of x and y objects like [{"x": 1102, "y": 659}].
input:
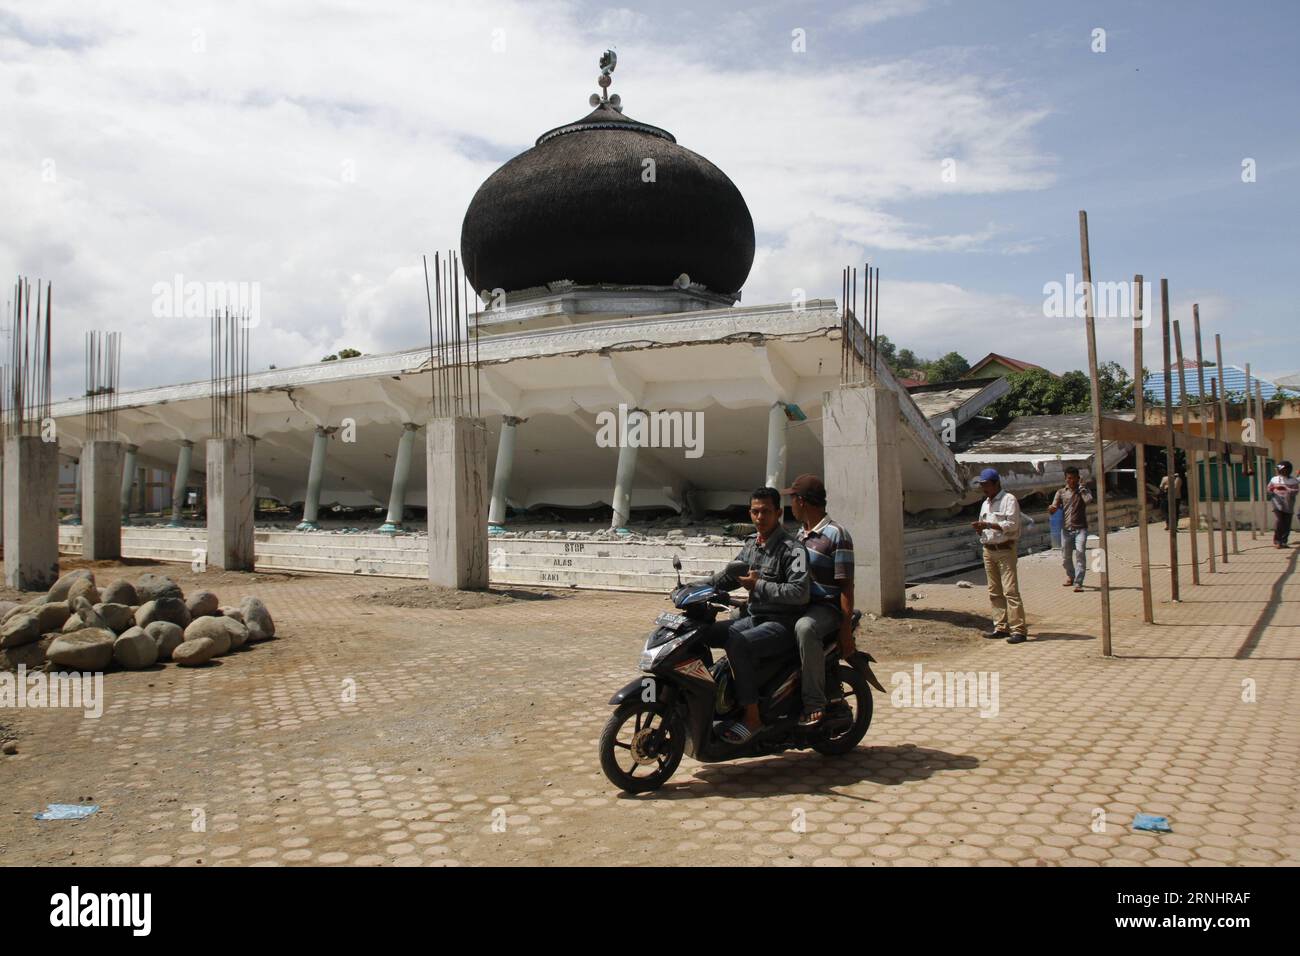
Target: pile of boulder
[{"x": 75, "y": 626}]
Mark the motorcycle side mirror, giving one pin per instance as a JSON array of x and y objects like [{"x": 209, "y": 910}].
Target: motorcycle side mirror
[{"x": 677, "y": 566}]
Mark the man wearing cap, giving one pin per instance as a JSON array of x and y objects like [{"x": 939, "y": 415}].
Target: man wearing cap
[
  {"x": 999, "y": 531},
  {"x": 830, "y": 562}
]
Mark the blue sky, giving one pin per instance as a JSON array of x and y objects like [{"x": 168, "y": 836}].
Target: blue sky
[{"x": 319, "y": 148}]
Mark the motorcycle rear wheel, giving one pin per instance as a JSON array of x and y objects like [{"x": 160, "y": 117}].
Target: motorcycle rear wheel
[
  {"x": 857, "y": 694},
  {"x": 653, "y": 728}
]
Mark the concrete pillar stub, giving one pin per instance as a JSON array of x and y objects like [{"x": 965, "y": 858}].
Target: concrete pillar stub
[
  {"x": 101, "y": 500},
  {"x": 625, "y": 472},
  {"x": 184, "y": 462},
  {"x": 128, "y": 479},
  {"x": 401, "y": 475},
  {"x": 31, "y": 507},
  {"x": 231, "y": 502},
  {"x": 864, "y": 482},
  {"x": 458, "y": 502},
  {"x": 776, "y": 446},
  {"x": 501, "y": 474}
]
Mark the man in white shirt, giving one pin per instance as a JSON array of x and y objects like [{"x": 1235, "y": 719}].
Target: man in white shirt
[
  {"x": 999, "y": 531},
  {"x": 1282, "y": 492}
]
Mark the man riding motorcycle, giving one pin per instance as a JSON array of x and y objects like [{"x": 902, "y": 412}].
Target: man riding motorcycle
[
  {"x": 830, "y": 561},
  {"x": 779, "y": 585}
]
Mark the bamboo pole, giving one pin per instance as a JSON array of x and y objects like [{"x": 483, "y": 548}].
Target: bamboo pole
[
  {"x": 1202, "y": 427},
  {"x": 1099, "y": 457},
  {"x": 1194, "y": 510},
  {"x": 1139, "y": 413},
  {"x": 1171, "y": 459},
  {"x": 1216, "y": 397},
  {"x": 1223, "y": 417},
  {"x": 1251, "y": 461}
]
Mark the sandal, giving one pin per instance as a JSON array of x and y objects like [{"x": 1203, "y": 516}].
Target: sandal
[
  {"x": 738, "y": 733},
  {"x": 811, "y": 718}
]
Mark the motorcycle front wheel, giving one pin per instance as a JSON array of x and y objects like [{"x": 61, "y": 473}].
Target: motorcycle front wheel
[{"x": 641, "y": 745}]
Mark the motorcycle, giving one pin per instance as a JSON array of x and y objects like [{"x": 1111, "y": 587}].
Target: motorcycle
[{"x": 684, "y": 698}]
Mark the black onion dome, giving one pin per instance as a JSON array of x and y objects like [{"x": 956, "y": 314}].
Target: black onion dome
[{"x": 576, "y": 207}]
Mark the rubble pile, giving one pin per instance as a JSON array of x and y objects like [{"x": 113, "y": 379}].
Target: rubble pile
[{"x": 130, "y": 626}]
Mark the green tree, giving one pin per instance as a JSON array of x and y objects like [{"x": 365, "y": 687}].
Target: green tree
[
  {"x": 907, "y": 359},
  {"x": 342, "y": 354},
  {"x": 886, "y": 349},
  {"x": 1037, "y": 391},
  {"x": 951, "y": 366}
]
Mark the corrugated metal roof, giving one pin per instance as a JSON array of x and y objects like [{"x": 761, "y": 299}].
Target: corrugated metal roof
[{"x": 1233, "y": 377}]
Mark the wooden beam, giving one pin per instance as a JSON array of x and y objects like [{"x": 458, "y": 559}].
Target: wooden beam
[
  {"x": 1223, "y": 417},
  {"x": 1139, "y": 408},
  {"x": 1122, "y": 430},
  {"x": 1098, "y": 443},
  {"x": 1249, "y": 461},
  {"x": 1200, "y": 413},
  {"x": 1194, "y": 511},
  {"x": 1171, "y": 459},
  {"x": 1218, "y": 465}
]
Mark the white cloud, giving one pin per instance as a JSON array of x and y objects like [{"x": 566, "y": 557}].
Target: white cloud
[
  {"x": 320, "y": 148},
  {"x": 878, "y": 11}
]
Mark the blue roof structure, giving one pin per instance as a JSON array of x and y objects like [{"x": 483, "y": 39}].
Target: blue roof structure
[{"x": 1234, "y": 379}]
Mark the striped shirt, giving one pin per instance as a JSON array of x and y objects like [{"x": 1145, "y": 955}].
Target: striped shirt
[{"x": 830, "y": 559}]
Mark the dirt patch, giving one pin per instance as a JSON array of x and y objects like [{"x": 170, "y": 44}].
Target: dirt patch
[
  {"x": 428, "y": 596},
  {"x": 920, "y": 633}
]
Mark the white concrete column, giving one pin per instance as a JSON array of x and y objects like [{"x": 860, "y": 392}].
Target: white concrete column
[
  {"x": 777, "y": 453},
  {"x": 128, "y": 479},
  {"x": 99, "y": 476},
  {"x": 625, "y": 474},
  {"x": 456, "y": 482},
  {"x": 31, "y": 503},
  {"x": 501, "y": 477},
  {"x": 864, "y": 484},
  {"x": 315, "y": 473},
  {"x": 231, "y": 504},
  {"x": 401, "y": 472},
  {"x": 75, "y": 518},
  {"x": 184, "y": 459}
]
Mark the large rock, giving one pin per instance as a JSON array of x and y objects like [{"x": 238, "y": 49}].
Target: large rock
[
  {"x": 6, "y": 607},
  {"x": 88, "y": 615},
  {"x": 60, "y": 588},
  {"x": 164, "y": 609},
  {"x": 73, "y": 623},
  {"x": 19, "y": 609},
  {"x": 167, "y": 636},
  {"x": 195, "y": 652},
  {"x": 31, "y": 655},
  {"x": 135, "y": 650},
  {"x": 234, "y": 612},
  {"x": 225, "y": 633},
  {"x": 257, "y": 619},
  {"x": 53, "y": 615},
  {"x": 84, "y": 588},
  {"x": 19, "y": 630},
  {"x": 120, "y": 591},
  {"x": 120, "y": 617},
  {"x": 90, "y": 649},
  {"x": 202, "y": 604},
  {"x": 152, "y": 586}
]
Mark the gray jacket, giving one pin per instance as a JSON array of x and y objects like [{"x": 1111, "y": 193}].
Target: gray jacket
[{"x": 784, "y": 582}]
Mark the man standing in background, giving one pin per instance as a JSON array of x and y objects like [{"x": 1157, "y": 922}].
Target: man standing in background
[
  {"x": 999, "y": 531},
  {"x": 1282, "y": 489},
  {"x": 1073, "y": 501}
]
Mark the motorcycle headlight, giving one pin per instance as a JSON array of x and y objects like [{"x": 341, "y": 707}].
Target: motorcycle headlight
[{"x": 651, "y": 654}]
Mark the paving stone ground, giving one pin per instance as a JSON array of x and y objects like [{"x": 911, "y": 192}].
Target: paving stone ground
[{"x": 369, "y": 734}]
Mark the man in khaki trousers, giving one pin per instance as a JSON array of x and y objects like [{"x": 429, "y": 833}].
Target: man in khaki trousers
[{"x": 999, "y": 531}]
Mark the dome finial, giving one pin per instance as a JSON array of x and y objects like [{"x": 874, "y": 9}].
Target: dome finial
[{"x": 608, "y": 60}]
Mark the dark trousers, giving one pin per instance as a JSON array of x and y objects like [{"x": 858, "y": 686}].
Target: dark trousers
[
  {"x": 1281, "y": 527},
  {"x": 748, "y": 642}
]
